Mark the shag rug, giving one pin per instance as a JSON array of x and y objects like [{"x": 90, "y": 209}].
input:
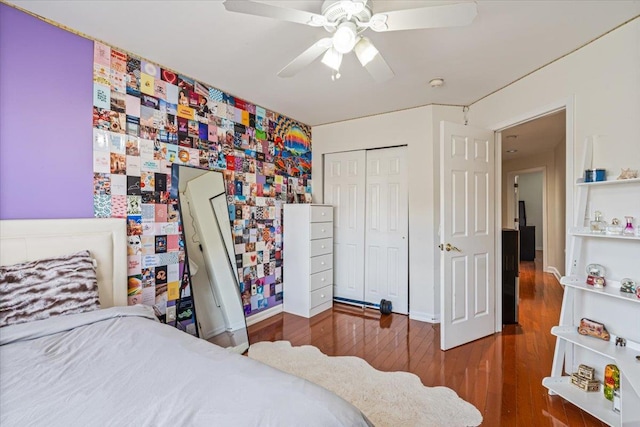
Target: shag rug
[{"x": 386, "y": 398}]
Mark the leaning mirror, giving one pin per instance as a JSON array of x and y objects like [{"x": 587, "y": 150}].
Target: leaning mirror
[{"x": 210, "y": 251}]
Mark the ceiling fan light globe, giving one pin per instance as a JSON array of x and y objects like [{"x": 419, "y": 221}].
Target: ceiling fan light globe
[
  {"x": 345, "y": 37},
  {"x": 332, "y": 59},
  {"x": 365, "y": 51}
]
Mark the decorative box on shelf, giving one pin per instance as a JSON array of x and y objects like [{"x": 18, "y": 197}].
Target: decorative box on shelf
[
  {"x": 586, "y": 372},
  {"x": 583, "y": 383}
]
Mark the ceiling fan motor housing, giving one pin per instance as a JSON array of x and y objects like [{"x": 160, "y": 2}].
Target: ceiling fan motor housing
[{"x": 345, "y": 10}]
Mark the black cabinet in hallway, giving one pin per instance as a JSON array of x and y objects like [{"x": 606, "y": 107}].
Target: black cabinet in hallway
[
  {"x": 527, "y": 242},
  {"x": 510, "y": 272}
]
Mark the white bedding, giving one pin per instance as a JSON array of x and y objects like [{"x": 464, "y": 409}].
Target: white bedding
[{"x": 119, "y": 367}]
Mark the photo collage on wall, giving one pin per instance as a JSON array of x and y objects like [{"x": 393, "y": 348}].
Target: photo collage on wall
[{"x": 147, "y": 118}]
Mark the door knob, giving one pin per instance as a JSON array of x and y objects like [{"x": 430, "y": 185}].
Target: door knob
[{"x": 450, "y": 247}]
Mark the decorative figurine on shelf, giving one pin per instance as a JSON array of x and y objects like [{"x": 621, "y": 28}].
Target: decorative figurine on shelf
[
  {"x": 621, "y": 342},
  {"x": 598, "y": 225},
  {"x": 627, "y": 285},
  {"x": 615, "y": 229},
  {"x": 595, "y": 275},
  {"x": 629, "y": 230},
  {"x": 627, "y": 174},
  {"x": 593, "y": 329}
]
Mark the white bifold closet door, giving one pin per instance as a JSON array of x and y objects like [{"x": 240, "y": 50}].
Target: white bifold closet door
[
  {"x": 369, "y": 190},
  {"x": 344, "y": 188}
]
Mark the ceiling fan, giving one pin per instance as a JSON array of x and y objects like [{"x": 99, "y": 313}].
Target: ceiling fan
[{"x": 346, "y": 20}]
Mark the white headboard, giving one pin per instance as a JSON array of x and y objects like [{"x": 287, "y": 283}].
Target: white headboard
[{"x": 31, "y": 239}]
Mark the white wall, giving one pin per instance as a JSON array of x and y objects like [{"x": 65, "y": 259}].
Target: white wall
[
  {"x": 556, "y": 213},
  {"x": 600, "y": 80},
  {"x": 530, "y": 190}
]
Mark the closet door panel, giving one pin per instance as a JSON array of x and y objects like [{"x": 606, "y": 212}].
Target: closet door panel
[
  {"x": 387, "y": 228},
  {"x": 344, "y": 188}
]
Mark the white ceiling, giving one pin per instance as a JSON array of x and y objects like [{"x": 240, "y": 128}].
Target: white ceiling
[{"x": 241, "y": 54}]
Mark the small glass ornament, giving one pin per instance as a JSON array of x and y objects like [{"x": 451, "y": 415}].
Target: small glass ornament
[
  {"x": 627, "y": 285},
  {"x": 615, "y": 228},
  {"x": 595, "y": 275},
  {"x": 629, "y": 230}
]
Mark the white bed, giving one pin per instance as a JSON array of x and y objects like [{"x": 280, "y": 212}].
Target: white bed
[{"x": 120, "y": 366}]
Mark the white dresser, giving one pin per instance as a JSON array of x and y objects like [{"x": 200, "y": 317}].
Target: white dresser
[{"x": 307, "y": 259}]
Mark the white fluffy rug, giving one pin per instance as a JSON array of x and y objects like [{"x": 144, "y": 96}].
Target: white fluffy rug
[{"x": 386, "y": 398}]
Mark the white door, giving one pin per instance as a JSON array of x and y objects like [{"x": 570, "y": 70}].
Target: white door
[
  {"x": 344, "y": 188},
  {"x": 467, "y": 237},
  {"x": 387, "y": 225}
]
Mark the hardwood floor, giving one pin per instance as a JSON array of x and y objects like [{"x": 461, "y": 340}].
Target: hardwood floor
[{"x": 500, "y": 374}]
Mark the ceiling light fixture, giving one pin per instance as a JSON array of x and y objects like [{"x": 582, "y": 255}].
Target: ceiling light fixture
[
  {"x": 365, "y": 51},
  {"x": 332, "y": 59},
  {"x": 345, "y": 37},
  {"x": 437, "y": 82}
]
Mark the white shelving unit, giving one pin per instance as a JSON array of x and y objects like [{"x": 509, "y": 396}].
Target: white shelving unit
[
  {"x": 571, "y": 347},
  {"x": 581, "y": 232}
]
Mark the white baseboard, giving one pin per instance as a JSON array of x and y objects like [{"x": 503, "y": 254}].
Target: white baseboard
[
  {"x": 424, "y": 317},
  {"x": 553, "y": 271},
  {"x": 258, "y": 317}
]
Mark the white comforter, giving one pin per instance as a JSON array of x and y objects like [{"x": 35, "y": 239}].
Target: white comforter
[{"x": 121, "y": 367}]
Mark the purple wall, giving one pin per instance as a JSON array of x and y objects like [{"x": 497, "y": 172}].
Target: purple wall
[{"x": 46, "y": 98}]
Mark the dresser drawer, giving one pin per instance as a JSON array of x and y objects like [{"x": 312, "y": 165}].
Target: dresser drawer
[
  {"x": 321, "y": 263},
  {"x": 321, "y": 295},
  {"x": 321, "y": 246},
  {"x": 321, "y": 230},
  {"x": 321, "y": 213},
  {"x": 322, "y": 279}
]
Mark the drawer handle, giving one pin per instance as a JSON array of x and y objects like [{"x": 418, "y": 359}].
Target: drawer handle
[
  {"x": 322, "y": 263},
  {"x": 323, "y": 230},
  {"x": 322, "y": 247},
  {"x": 321, "y": 295},
  {"x": 322, "y": 280},
  {"x": 322, "y": 214}
]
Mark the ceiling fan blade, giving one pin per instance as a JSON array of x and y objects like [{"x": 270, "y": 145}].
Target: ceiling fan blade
[
  {"x": 379, "y": 69},
  {"x": 283, "y": 13},
  {"x": 454, "y": 15},
  {"x": 306, "y": 57}
]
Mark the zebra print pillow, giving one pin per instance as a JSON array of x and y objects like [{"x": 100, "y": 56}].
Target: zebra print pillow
[{"x": 48, "y": 287}]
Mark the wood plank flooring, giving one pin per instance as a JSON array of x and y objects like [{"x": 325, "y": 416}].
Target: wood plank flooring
[{"x": 500, "y": 374}]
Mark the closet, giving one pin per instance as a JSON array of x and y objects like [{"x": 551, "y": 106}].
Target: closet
[{"x": 369, "y": 190}]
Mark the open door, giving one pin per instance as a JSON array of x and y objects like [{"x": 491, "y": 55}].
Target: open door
[{"x": 467, "y": 236}]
